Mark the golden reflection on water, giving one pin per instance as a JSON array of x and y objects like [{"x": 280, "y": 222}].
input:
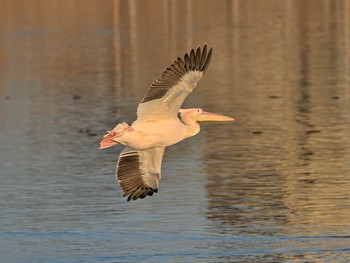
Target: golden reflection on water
[
  {"x": 70, "y": 69},
  {"x": 291, "y": 153}
]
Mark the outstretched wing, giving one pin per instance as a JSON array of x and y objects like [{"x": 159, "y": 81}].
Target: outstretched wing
[
  {"x": 138, "y": 172},
  {"x": 168, "y": 92}
]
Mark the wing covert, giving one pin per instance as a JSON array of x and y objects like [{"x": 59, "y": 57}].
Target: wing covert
[{"x": 169, "y": 91}]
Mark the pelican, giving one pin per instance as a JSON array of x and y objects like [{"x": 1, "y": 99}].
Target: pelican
[{"x": 160, "y": 123}]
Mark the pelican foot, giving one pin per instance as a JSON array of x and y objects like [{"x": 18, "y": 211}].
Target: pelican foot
[
  {"x": 109, "y": 139},
  {"x": 106, "y": 143},
  {"x": 120, "y": 127},
  {"x": 120, "y": 133}
]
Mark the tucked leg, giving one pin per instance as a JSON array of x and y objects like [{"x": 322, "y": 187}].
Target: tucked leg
[{"x": 109, "y": 139}]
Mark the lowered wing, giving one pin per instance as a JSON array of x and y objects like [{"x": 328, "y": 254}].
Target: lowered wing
[{"x": 139, "y": 172}]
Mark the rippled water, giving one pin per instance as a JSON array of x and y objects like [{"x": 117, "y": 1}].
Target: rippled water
[{"x": 271, "y": 187}]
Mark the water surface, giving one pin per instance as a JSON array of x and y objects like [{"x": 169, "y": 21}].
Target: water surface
[{"x": 271, "y": 187}]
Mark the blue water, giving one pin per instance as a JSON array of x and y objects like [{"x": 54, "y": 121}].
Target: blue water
[{"x": 271, "y": 187}]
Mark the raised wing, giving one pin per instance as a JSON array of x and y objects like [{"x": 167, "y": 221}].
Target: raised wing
[
  {"x": 168, "y": 92},
  {"x": 138, "y": 172}
]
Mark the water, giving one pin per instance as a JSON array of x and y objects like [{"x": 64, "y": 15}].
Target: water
[{"x": 271, "y": 187}]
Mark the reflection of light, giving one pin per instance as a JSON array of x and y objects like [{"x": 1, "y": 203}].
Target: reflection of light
[{"x": 288, "y": 154}]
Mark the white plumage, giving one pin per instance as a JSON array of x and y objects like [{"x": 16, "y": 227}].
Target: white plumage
[{"x": 158, "y": 125}]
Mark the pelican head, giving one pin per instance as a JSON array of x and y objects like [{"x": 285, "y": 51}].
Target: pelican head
[
  {"x": 191, "y": 117},
  {"x": 198, "y": 114}
]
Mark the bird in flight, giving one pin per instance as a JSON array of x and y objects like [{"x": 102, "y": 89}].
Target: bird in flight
[{"x": 160, "y": 123}]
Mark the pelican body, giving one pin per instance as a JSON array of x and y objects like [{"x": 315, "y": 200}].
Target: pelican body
[{"x": 160, "y": 123}]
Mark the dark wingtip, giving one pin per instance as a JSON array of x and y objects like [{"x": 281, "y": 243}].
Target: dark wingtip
[
  {"x": 198, "y": 59},
  {"x": 207, "y": 61},
  {"x": 187, "y": 62},
  {"x": 133, "y": 196}
]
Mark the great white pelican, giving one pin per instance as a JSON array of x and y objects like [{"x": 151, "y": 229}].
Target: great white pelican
[{"x": 160, "y": 123}]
